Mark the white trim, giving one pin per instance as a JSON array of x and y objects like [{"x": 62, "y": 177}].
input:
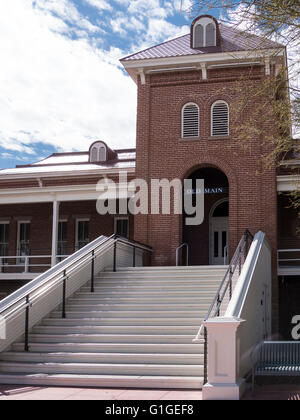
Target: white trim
[
  {"x": 65, "y": 174},
  {"x": 198, "y": 58},
  {"x": 55, "y": 219},
  {"x": 133, "y": 66},
  {"x": 288, "y": 183},
  {"x": 116, "y": 218},
  {"x": 62, "y": 194},
  {"x": 182, "y": 120},
  {"x": 211, "y": 118}
]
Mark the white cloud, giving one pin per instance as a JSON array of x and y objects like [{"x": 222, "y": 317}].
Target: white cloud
[
  {"x": 99, "y": 4},
  {"x": 57, "y": 90},
  {"x": 58, "y": 85}
]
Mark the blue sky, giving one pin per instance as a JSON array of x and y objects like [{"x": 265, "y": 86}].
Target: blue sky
[{"x": 61, "y": 82}]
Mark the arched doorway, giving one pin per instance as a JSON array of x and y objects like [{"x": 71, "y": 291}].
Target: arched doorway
[{"x": 206, "y": 241}]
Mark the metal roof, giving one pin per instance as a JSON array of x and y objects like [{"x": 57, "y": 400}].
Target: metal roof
[
  {"x": 232, "y": 40},
  {"x": 77, "y": 163}
]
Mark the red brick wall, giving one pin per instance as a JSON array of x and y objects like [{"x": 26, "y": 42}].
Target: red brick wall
[
  {"x": 161, "y": 153},
  {"x": 40, "y": 216}
]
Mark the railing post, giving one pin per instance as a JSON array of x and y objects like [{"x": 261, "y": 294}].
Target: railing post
[
  {"x": 240, "y": 260},
  {"x": 218, "y": 305},
  {"x": 93, "y": 272},
  {"x": 205, "y": 376},
  {"x": 134, "y": 256},
  {"x": 115, "y": 256},
  {"x": 230, "y": 282},
  {"x": 26, "y": 346},
  {"x": 64, "y": 295},
  {"x": 26, "y": 264}
]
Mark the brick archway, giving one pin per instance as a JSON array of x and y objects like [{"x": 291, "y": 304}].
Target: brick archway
[{"x": 193, "y": 164}]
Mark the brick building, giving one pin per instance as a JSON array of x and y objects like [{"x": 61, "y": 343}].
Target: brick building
[{"x": 188, "y": 90}]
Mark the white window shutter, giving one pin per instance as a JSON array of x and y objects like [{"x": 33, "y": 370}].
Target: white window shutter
[
  {"x": 94, "y": 154},
  {"x": 198, "y": 36},
  {"x": 220, "y": 119},
  {"x": 210, "y": 35},
  {"x": 190, "y": 121},
  {"x": 102, "y": 154}
]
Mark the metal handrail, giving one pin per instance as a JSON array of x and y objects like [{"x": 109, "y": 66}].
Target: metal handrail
[
  {"x": 23, "y": 298},
  {"x": 187, "y": 253},
  {"x": 226, "y": 285}
]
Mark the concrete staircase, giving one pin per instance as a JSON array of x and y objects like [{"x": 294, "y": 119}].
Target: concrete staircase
[{"x": 135, "y": 331}]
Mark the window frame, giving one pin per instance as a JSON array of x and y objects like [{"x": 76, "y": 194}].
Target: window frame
[
  {"x": 182, "y": 121},
  {"x": 78, "y": 220},
  {"x": 116, "y": 219},
  {"x": 219, "y": 101},
  {"x": 21, "y": 259},
  {"x": 204, "y": 22},
  {"x": 100, "y": 147},
  {"x": 7, "y": 223},
  {"x": 61, "y": 242}
]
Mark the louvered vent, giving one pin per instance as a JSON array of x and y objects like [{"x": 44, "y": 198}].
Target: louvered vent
[
  {"x": 190, "y": 124},
  {"x": 220, "y": 119}
]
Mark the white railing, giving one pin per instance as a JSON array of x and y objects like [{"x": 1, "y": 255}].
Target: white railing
[
  {"x": 29, "y": 305},
  {"x": 245, "y": 323},
  {"x": 24, "y": 261},
  {"x": 186, "y": 246}
]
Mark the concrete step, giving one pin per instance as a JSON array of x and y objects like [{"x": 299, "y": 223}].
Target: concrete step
[
  {"x": 158, "y": 282},
  {"x": 105, "y": 381},
  {"x": 132, "y": 358},
  {"x": 148, "y": 289},
  {"x": 86, "y": 298},
  {"x": 143, "y": 315},
  {"x": 88, "y": 320},
  {"x": 111, "y": 348},
  {"x": 169, "y": 268},
  {"x": 74, "y": 305},
  {"x": 135, "y": 329},
  {"x": 111, "y": 338},
  {"x": 102, "y": 369},
  {"x": 85, "y": 293}
]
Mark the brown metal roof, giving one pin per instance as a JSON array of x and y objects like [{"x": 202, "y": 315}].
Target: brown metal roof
[{"x": 232, "y": 40}]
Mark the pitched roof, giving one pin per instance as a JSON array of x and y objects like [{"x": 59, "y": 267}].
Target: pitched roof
[
  {"x": 76, "y": 162},
  {"x": 232, "y": 40}
]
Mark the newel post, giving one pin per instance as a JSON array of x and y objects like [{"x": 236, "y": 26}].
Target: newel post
[{"x": 223, "y": 360}]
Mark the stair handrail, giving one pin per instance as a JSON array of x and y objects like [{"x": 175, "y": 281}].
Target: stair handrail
[
  {"x": 187, "y": 253},
  {"x": 241, "y": 250},
  {"x": 241, "y": 253},
  {"x": 23, "y": 298}
]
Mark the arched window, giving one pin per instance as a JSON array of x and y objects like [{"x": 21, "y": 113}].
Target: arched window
[
  {"x": 210, "y": 35},
  {"x": 220, "y": 119},
  {"x": 98, "y": 153},
  {"x": 190, "y": 120},
  {"x": 204, "y": 33},
  {"x": 199, "y": 36}
]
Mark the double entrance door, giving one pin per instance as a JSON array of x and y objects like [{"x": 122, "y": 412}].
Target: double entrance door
[{"x": 219, "y": 239}]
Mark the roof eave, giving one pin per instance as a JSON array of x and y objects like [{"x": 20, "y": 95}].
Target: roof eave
[{"x": 134, "y": 67}]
